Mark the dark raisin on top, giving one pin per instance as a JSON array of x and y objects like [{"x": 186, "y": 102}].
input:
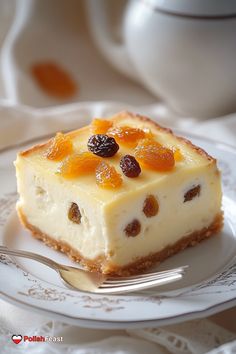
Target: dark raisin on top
[
  {"x": 133, "y": 228},
  {"x": 103, "y": 145},
  {"x": 130, "y": 166},
  {"x": 74, "y": 213},
  {"x": 150, "y": 206},
  {"x": 192, "y": 193}
]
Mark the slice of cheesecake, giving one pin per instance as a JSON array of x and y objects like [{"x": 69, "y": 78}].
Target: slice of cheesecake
[{"x": 120, "y": 194}]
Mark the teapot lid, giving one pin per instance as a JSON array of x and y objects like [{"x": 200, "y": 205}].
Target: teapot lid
[{"x": 195, "y": 8}]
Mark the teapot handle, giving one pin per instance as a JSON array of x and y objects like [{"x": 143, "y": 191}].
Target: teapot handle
[{"x": 115, "y": 52}]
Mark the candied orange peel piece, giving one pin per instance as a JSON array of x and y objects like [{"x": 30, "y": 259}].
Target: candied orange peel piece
[
  {"x": 149, "y": 141},
  {"x": 151, "y": 155},
  {"x": 178, "y": 155},
  {"x": 128, "y": 136},
  {"x": 107, "y": 176},
  {"x": 54, "y": 80},
  {"x": 101, "y": 126},
  {"x": 79, "y": 164},
  {"x": 148, "y": 133},
  {"x": 59, "y": 147}
]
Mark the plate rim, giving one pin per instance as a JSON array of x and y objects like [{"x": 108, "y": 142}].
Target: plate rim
[
  {"x": 122, "y": 324},
  {"x": 99, "y": 323}
]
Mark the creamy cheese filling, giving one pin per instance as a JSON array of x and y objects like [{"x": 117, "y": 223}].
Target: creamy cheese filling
[
  {"x": 175, "y": 218},
  {"x": 46, "y": 203}
]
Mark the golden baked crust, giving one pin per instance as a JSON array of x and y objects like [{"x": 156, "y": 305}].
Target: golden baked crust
[
  {"x": 125, "y": 114},
  {"x": 101, "y": 264},
  {"x": 33, "y": 149},
  {"x": 118, "y": 118}
]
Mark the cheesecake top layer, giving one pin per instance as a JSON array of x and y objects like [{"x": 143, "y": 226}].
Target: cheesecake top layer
[{"x": 188, "y": 157}]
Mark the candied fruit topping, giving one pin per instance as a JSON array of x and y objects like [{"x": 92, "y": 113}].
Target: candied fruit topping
[
  {"x": 101, "y": 126},
  {"x": 148, "y": 133},
  {"x": 152, "y": 155},
  {"x": 150, "y": 206},
  {"x": 127, "y": 135},
  {"x": 107, "y": 176},
  {"x": 192, "y": 193},
  {"x": 133, "y": 228},
  {"x": 74, "y": 214},
  {"x": 54, "y": 80},
  {"x": 177, "y": 155},
  {"x": 79, "y": 164},
  {"x": 103, "y": 145},
  {"x": 149, "y": 141},
  {"x": 130, "y": 166},
  {"x": 59, "y": 147}
]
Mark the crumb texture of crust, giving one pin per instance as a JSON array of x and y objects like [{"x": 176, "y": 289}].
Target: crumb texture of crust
[{"x": 103, "y": 265}]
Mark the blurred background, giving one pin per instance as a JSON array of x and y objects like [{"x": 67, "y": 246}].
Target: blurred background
[
  {"x": 36, "y": 32},
  {"x": 63, "y": 62},
  {"x": 133, "y": 51}
]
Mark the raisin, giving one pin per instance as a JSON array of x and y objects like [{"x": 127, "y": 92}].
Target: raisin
[
  {"x": 130, "y": 166},
  {"x": 192, "y": 193},
  {"x": 74, "y": 213},
  {"x": 133, "y": 228},
  {"x": 150, "y": 206},
  {"x": 107, "y": 176},
  {"x": 103, "y": 145}
]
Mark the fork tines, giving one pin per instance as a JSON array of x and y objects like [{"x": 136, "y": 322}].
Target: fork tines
[{"x": 142, "y": 281}]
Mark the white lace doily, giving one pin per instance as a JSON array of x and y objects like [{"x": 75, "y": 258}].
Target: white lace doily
[{"x": 194, "y": 337}]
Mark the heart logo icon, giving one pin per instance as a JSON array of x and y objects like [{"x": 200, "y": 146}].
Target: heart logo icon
[{"x": 16, "y": 338}]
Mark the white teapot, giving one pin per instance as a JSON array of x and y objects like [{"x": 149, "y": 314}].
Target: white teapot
[{"x": 183, "y": 51}]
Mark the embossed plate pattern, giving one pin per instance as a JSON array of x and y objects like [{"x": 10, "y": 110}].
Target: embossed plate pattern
[{"x": 209, "y": 286}]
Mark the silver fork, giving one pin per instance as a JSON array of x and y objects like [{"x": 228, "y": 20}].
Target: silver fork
[{"x": 83, "y": 280}]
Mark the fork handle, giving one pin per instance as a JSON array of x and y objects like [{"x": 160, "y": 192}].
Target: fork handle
[{"x": 26, "y": 254}]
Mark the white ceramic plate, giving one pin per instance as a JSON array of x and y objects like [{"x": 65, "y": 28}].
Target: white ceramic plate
[{"x": 208, "y": 287}]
